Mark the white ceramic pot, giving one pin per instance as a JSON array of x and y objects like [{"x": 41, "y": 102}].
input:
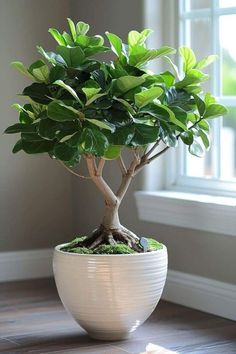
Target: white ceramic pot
[{"x": 110, "y": 295}]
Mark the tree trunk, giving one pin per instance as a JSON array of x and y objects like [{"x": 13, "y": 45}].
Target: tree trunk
[
  {"x": 111, "y": 231},
  {"x": 111, "y": 219}
]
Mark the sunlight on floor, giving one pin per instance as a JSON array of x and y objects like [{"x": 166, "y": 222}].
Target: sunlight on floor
[{"x": 156, "y": 349}]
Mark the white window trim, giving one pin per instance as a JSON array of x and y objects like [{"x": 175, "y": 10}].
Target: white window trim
[
  {"x": 182, "y": 203},
  {"x": 193, "y": 211}
]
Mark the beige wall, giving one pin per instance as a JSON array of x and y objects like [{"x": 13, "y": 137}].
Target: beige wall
[{"x": 36, "y": 195}]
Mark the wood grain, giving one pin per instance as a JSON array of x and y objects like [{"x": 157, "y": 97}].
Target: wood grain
[{"x": 33, "y": 320}]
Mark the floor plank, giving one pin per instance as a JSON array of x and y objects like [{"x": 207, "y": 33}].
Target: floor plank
[{"x": 33, "y": 321}]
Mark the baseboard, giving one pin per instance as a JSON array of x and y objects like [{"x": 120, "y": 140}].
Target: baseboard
[
  {"x": 30, "y": 264},
  {"x": 201, "y": 293}
]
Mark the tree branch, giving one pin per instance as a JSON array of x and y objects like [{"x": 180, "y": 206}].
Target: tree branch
[
  {"x": 73, "y": 172},
  {"x": 122, "y": 165},
  {"x": 100, "y": 167},
  {"x": 109, "y": 195},
  {"x": 148, "y": 153},
  {"x": 127, "y": 177},
  {"x": 140, "y": 166},
  {"x": 145, "y": 160}
]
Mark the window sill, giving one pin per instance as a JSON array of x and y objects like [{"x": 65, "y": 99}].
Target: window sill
[{"x": 194, "y": 211}]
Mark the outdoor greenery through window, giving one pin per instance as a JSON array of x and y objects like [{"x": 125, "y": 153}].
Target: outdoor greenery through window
[{"x": 209, "y": 26}]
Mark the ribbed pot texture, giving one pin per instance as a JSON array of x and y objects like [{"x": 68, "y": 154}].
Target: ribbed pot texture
[{"x": 110, "y": 295}]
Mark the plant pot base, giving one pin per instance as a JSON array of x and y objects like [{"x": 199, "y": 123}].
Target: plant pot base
[
  {"x": 109, "y": 336},
  {"x": 110, "y": 295}
]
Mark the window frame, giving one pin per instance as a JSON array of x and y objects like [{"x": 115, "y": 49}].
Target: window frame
[
  {"x": 176, "y": 178},
  {"x": 164, "y": 198}
]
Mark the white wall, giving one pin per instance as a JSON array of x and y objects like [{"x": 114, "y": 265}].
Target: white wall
[{"x": 35, "y": 193}]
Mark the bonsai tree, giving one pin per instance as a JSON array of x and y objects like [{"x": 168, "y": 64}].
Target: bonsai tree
[{"x": 82, "y": 108}]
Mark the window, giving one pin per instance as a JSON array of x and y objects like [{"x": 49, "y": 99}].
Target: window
[
  {"x": 198, "y": 193},
  {"x": 209, "y": 26}
]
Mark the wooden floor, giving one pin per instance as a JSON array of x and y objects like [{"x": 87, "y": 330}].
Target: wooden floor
[{"x": 33, "y": 321}]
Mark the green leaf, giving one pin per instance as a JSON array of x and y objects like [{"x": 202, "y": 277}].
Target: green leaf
[
  {"x": 189, "y": 59},
  {"x": 61, "y": 113},
  {"x": 101, "y": 124},
  {"x": 21, "y": 128},
  {"x": 144, "y": 134},
  {"x": 193, "y": 76},
  {"x": 116, "y": 46},
  {"x": 205, "y": 61},
  {"x": 203, "y": 124},
  {"x": 21, "y": 68},
  {"x": 100, "y": 77},
  {"x": 73, "y": 56},
  {"x": 96, "y": 41},
  {"x": 200, "y": 105},
  {"x": 126, "y": 104},
  {"x": 173, "y": 118},
  {"x": 17, "y": 147},
  {"x": 95, "y": 50},
  {"x": 205, "y": 138},
  {"x": 31, "y": 137},
  {"x": 82, "y": 28},
  {"x": 69, "y": 89},
  {"x": 155, "y": 111},
  {"x": 209, "y": 99},
  {"x": 136, "y": 38},
  {"x": 93, "y": 141},
  {"x": 48, "y": 128},
  {"x": 57, "y": 73},
  {"x": 174, "y": 67},
  {"x": 140, "y": 55},
  {"x": 215, "y": 110},
  {"x": 187, "y": 137},
  {"x": 25, "y": 118},
  {"x": 126, "y": 83},
  {"x": 57, "y": 36},
  {"x": 168, "y": 78},
  {"x": 167, "y": 135},
  {"x": 196, "y": 149},
  {"x": 64, "y": 152},
  {"x": 112, "y": 152},
  {"x": 122, "y": 136},
  {"x": 94, "y": 98},
  {"x": 53, "y": 58},
  {"x": 147, "y": 96},
  {"x": 40, "y": 71},
  {"x": 38, "y": 92},
  {"x": 72, "y": 29},
  {"x": 37, "y": 147},
  {"x": 90, "y": 91},
  {"x": 68, "y": 39},
  {"x": 67, "y": 137}
]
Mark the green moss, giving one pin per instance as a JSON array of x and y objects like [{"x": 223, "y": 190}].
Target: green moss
[
  {"x": 154, "y": 245},
  {"x": 81, "y": 250},
  {"x": 113, "y": 249},
  {"x": 76, "y": 240},
  {"x": 72, "y": 244}
]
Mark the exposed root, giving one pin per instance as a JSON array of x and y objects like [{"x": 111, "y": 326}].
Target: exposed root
[
  {"x": 98, "y": 241},
  {"x": 111, "y": 237}
]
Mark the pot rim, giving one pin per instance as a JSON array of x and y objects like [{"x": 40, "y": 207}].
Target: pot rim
[{"x": 70, "y": 254}]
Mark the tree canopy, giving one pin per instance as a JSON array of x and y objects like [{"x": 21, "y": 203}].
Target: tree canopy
[{"x": 80, "y": 105}]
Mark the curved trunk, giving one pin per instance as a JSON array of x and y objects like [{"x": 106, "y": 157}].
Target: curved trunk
[
  {"x": 111, "y": 219},
  {"x": 110, "y": 230}
]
